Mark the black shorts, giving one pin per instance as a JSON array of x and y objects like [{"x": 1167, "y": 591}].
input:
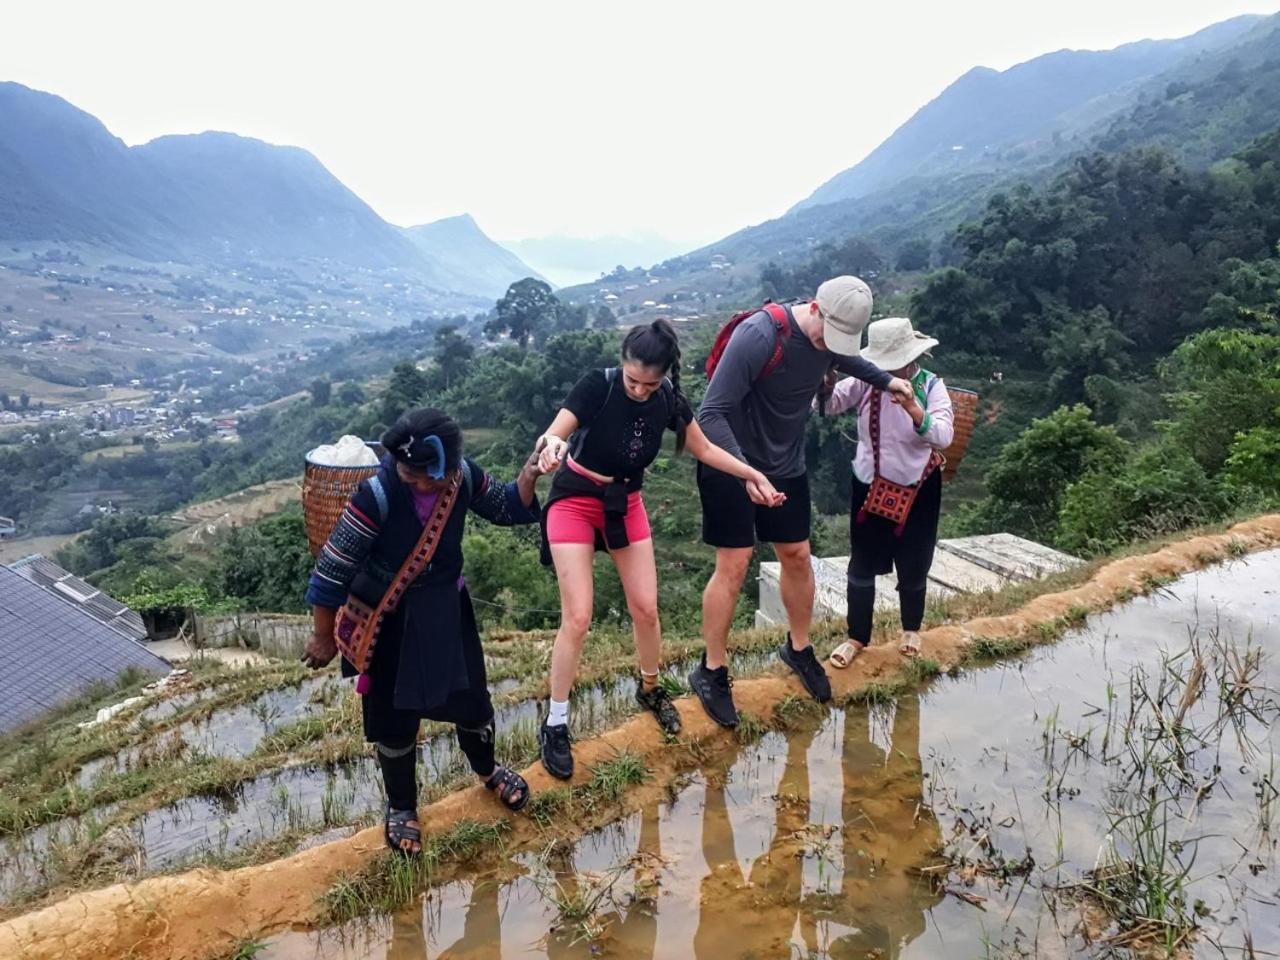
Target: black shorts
[{"x": 730, "y": 519}]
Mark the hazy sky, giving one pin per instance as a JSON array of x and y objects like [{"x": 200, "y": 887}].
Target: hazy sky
[{"x": 690, "y": 119}]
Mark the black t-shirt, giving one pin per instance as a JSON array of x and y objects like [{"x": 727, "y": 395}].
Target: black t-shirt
[{"x": 617, "y": 436}]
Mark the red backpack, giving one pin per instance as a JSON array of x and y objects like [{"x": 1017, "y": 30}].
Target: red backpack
[{"x": 781, "y": 333}]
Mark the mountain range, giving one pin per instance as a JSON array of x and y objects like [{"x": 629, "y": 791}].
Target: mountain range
[
  {"x": 214, "y": 198},
  {"x": 567, "y": 260},
  {"x": 227, "y": 200},
  {"x": 1201, "y": 97}
]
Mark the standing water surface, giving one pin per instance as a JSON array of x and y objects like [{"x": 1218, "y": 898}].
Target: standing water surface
[{"x": 956, "y": 821}]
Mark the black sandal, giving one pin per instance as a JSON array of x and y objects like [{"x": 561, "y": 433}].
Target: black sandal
[
  {"x": 505, "y": 784},
  {"x": 397, "y": 830}
]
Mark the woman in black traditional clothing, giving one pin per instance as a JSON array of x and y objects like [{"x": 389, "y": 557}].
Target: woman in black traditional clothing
[{"x": 427, "y": 662}]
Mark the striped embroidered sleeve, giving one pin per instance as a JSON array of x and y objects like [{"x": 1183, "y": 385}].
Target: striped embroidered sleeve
[
  {"x": 499, "y": 502},
  {"x": 345, "y": 551}
]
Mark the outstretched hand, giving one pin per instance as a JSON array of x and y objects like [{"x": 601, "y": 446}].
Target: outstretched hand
[
  {"x": 762, "y": 493},
  {"x": 550, "y": 451},
  {"x": 533, "y": 464}
]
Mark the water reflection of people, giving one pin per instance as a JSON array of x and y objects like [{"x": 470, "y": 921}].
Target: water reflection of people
[
  {"x": 889, "y": 834},
  {"x": 635, "y": 935},
  {"x": 481, "y": 931},
  {"x": 758, "y": 917}
]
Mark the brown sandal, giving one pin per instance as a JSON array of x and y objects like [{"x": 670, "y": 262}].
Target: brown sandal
[
  {"x": 397, "y": 831},
  {"x": 845, "y": 654},
  {"x": 506, "y": 784}
]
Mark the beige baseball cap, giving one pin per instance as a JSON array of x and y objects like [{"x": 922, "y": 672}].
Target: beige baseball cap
[{"x": 845, "y": 304}]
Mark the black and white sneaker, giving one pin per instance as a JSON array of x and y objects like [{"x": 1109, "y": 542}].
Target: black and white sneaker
[
  {"x": 807, "y": 668},
  {"x": 713, "y": 688},
  {"x": 557, "y": 755},
  {"x": 658, "y": 702}
]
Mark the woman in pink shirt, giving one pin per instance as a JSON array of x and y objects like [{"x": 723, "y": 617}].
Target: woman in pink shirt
[{"x": 902, "y": 446}]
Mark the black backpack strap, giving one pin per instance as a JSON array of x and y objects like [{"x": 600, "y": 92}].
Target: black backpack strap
[{"x": 580, "y": 435}]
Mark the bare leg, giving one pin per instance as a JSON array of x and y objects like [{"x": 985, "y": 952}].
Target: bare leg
[
  {"x": 574, "y": 575},
  {"x": 797, "y": 589},
  {"x": 719, "y": 600},
  {"x": 639, "y": 575}
]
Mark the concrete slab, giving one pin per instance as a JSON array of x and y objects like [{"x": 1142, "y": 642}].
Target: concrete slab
[{"x": 961, "y": 565}]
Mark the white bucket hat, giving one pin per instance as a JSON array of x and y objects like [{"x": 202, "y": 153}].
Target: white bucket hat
[
  {"x": 845, "y": 305},
  {"x": 892, "y": 343}
]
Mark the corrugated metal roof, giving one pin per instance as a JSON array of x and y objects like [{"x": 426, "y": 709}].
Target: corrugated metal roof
[
  {"x": 44, "y": 572},
  {"x": 52, "y": 649}
]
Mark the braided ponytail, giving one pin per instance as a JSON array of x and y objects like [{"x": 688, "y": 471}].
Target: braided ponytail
[{"x": 657, "y": 345}]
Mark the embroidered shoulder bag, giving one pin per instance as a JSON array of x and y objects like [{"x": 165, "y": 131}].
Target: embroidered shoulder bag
[
  {"x": 356, "y": 628},
  {"x": 887, "y": 499}
]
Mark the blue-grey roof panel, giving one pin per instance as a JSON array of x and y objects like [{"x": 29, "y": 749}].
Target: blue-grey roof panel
[
  {"x": 51, "y": 650},
  {"x": 43, "y": 571}
]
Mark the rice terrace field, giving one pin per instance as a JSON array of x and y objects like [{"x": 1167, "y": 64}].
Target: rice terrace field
[{"x": 1084, "y": 767}]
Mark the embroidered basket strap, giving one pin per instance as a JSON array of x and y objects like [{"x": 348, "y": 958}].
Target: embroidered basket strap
[
  {"x": 875, "y": 428},
  {"x": 931, "y": 464},
  {"x": 418, "y": 560}
]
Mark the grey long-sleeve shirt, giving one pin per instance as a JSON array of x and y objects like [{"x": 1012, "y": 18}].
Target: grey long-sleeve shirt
[{"x": 762, "y": 422}]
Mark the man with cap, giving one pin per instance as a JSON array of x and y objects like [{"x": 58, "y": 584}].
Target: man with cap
[{"x": 759, "y": 416}]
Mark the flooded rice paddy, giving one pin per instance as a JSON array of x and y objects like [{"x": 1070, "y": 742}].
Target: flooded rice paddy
[
  {"x": 1108, "y": 795},
  {"x": 292, "y": 799}
]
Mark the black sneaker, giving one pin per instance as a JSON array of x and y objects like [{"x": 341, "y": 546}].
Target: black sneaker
[
  {"x": 557, "y": 756},
  {"x": 658, "y": 702},
  {"x": 713, "y": 689},
  {"x": 807, "y": 668}
]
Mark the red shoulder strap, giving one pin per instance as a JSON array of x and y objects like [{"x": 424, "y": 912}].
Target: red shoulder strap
[{"x": 781, "y": 334}]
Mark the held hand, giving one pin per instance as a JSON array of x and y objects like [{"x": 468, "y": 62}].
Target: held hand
[
  {"x": 914, "y": 410},
  {"x": 551, "y": 450},
  {"x": 532, "y": 464},
  {"x": 320, "y": 650},
  {"x": 900, "y": 390},
  {"x": 762, "y": 493}
]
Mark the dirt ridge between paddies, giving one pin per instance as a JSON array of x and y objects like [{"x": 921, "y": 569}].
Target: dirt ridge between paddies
[{"x": 203, "y": 914}]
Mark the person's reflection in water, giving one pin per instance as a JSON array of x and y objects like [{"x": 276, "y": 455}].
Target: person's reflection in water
[
  {"x": 889, "y": 834},
  {"x": 408, "y": 934},
  {"x": 756, "y": 919},
  {"x": 481, "y": 931},
  {"x": 635, "y": 936}
]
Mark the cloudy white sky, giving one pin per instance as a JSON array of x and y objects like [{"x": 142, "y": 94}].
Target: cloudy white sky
[{"x": 689, "y": 119}]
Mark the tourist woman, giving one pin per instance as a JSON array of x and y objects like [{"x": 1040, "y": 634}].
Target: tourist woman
[
  {"x": 600, "y": 443},
  {"x": 897, "y": 465},
  {"x": 427, "y": 662}
]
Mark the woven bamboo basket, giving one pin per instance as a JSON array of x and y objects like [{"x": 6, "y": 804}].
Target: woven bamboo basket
[
  {"x": 964, "y": 405},
  {"x": 325, "y": 492}
]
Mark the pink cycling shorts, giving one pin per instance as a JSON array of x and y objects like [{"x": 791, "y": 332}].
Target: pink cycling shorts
[{"x": 576, "y": 520}]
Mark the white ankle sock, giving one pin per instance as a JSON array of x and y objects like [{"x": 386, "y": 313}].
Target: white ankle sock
[{"x": 559, "y": 714}]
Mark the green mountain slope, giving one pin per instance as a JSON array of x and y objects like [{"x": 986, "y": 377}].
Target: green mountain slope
[
  {"x": 989, "y": 120},
  {"x": 1221, "y": 91}
]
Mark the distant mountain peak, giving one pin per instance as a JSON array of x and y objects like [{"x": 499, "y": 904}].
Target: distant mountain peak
[
  {"x": 987, "y": 111},
  {"x": 461, "y": 249}
]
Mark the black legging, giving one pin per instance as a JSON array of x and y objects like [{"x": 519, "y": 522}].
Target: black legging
[
  {"x": 399, "y": 762},
  {"x": 395, "y": 731},
  {"x": 874, "y": 549}
]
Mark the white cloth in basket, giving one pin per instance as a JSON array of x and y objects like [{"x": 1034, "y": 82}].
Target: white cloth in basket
[{"x": 349, "y": 451}]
